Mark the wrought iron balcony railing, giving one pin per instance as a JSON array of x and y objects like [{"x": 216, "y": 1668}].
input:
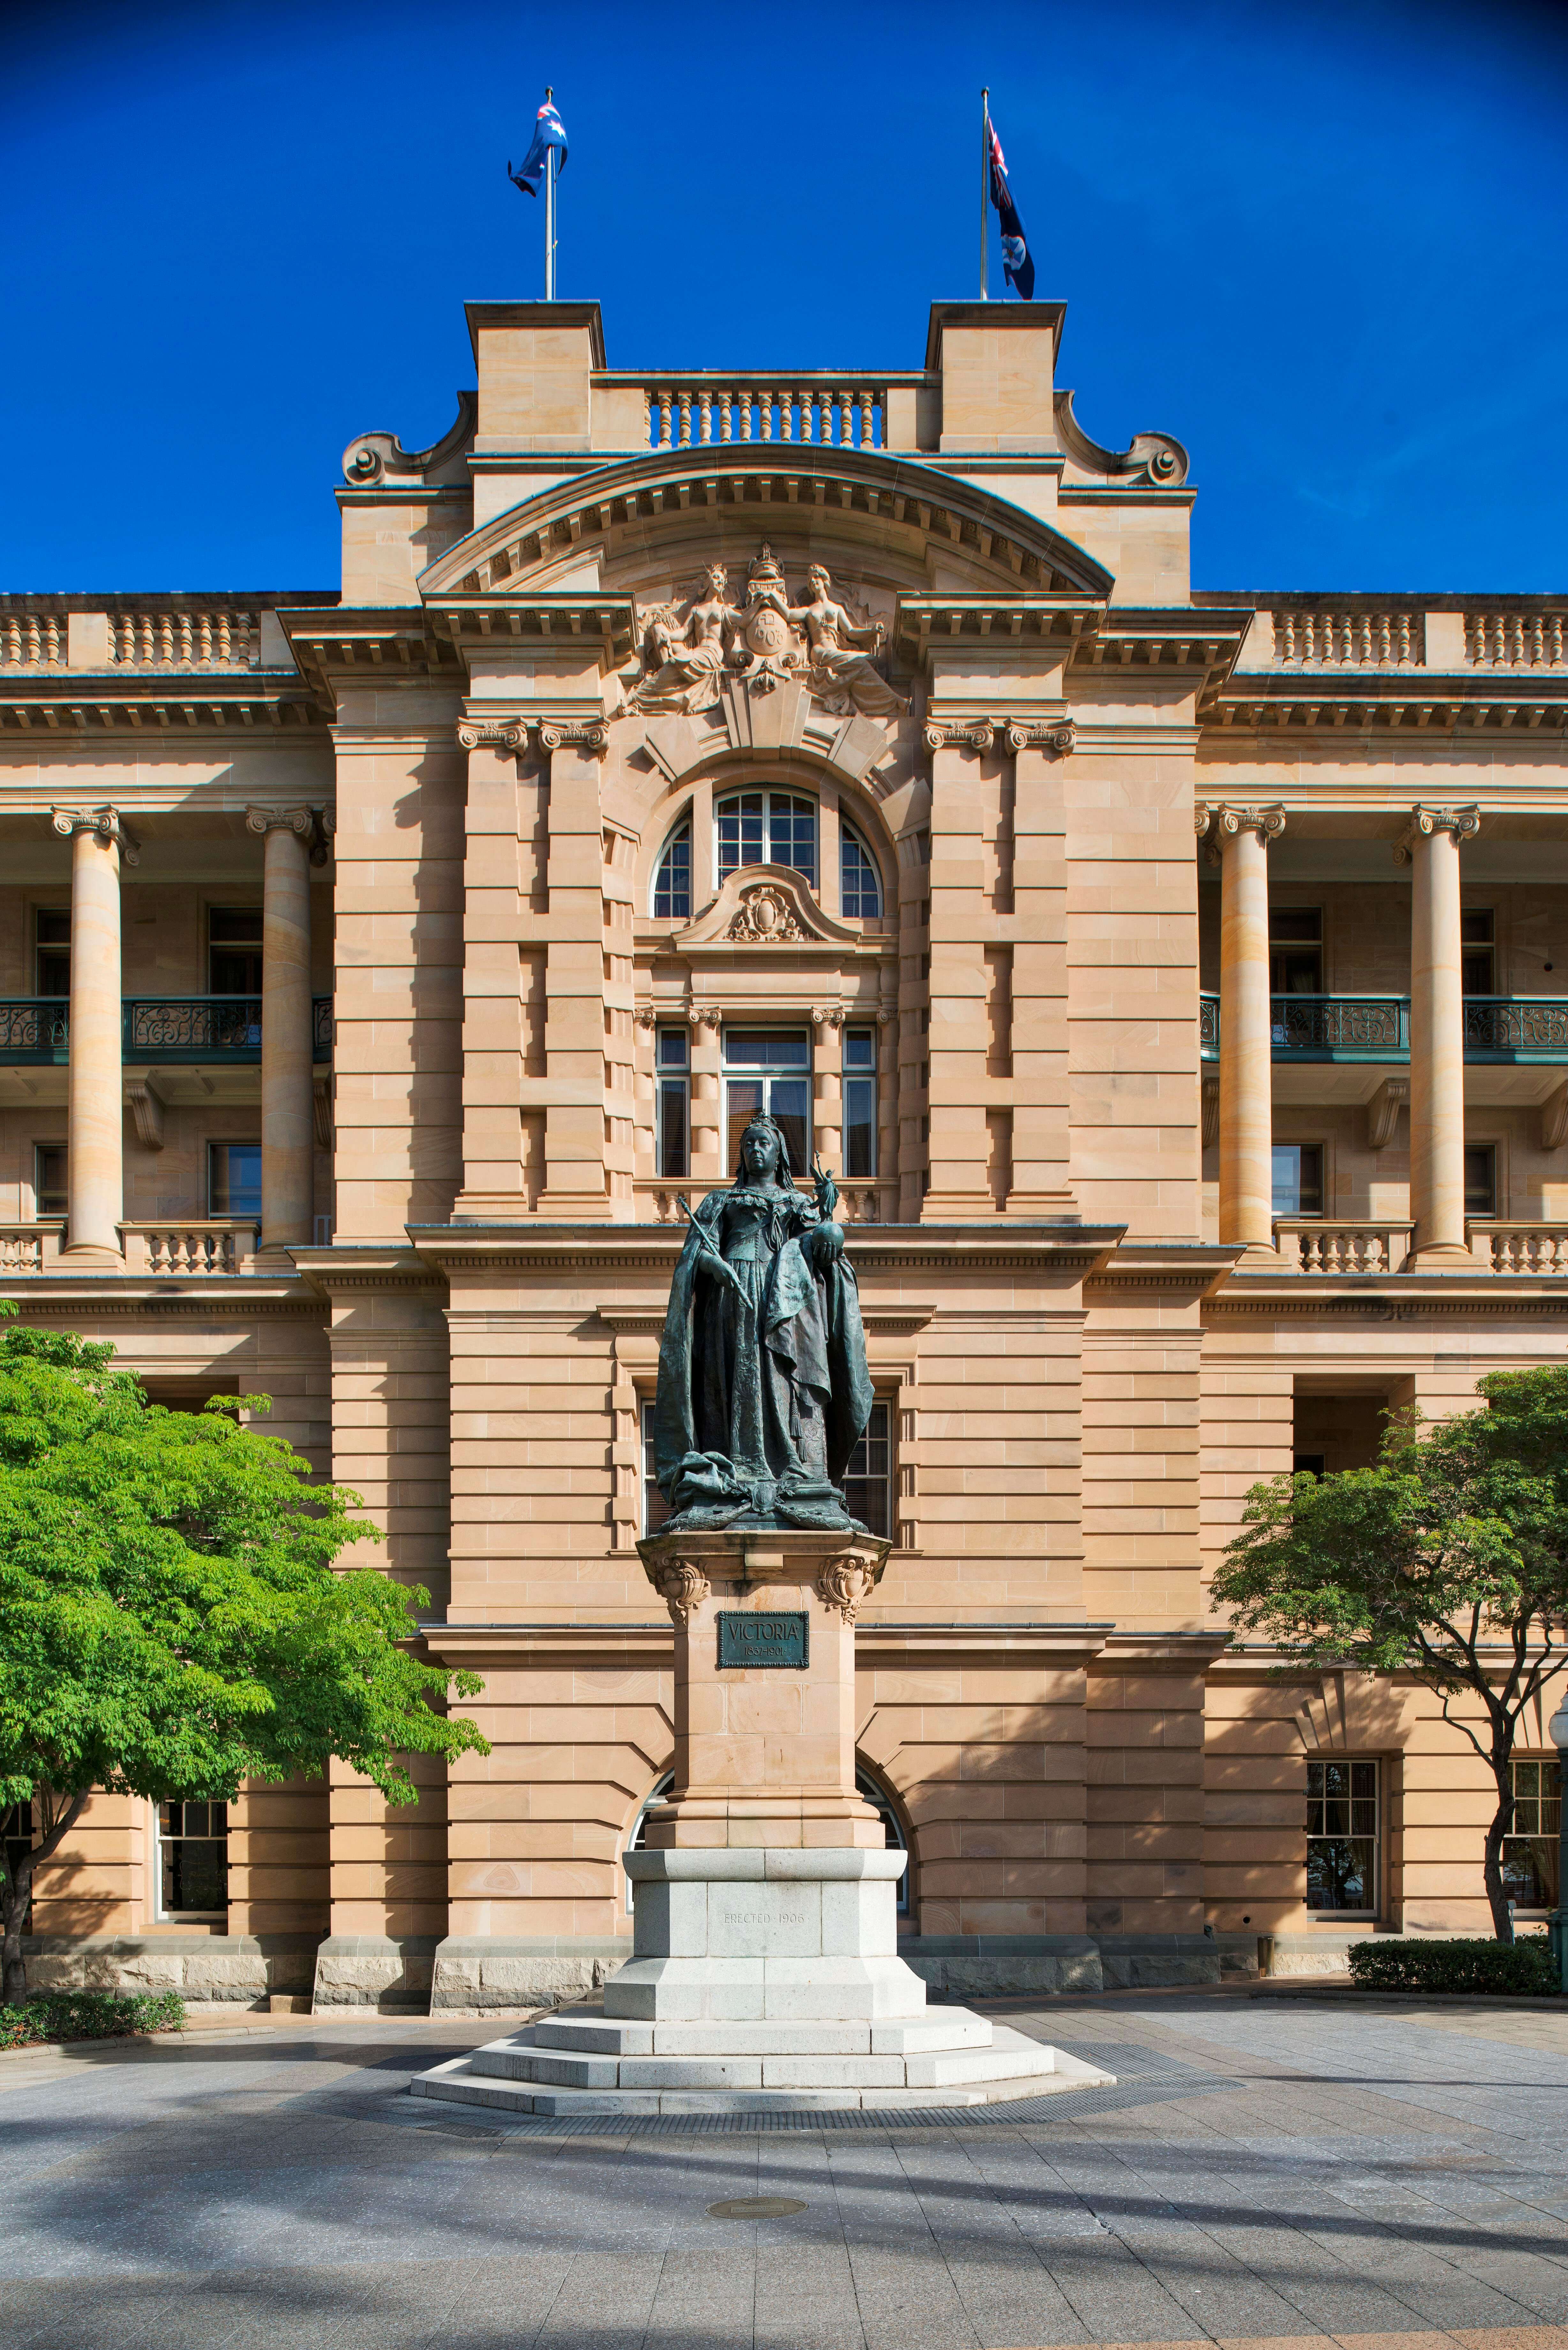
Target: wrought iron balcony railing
[
  {"x": 1506, "y": 1028},
  {"x": 168, "y": 1028}
]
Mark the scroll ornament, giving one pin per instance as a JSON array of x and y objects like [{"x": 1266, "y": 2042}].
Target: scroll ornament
[
  {"x": 1057, "y": 736},
  {"x": 683, "y": 1587},
  {"x": 765, "y": 918},
  {"x": 512, "y": 733},
  {"x": 1464, "y": 823}
]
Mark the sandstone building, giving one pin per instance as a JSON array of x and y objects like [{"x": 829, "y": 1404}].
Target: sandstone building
[{"x": 1175, "y": 978}]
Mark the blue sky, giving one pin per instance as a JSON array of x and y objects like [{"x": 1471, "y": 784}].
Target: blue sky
[{"x": 1324, "y": 244}]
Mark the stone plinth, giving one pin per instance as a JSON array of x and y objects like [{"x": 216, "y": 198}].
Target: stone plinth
[
  {"x": 764, "y": 1968},
  {"x": 764, "y": 1753}
]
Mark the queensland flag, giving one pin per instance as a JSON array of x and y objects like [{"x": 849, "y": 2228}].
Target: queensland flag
[
  {"x": 1017, "y": 263},
  {"x": 549, "y": 131}
]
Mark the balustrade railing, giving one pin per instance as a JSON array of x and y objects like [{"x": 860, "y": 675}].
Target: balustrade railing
[
  {"x": 32, "y": 640},
  {"x": 1374, "y": 1025},
  {"x": 1315, "y": 637},
  {"x": 846, "y": 412},
  {"x": 155, "y": 1028},
  {"x": 1312, "y": 1245},
  {"x": 205, "y": 1244},
  {"x": 1516, "y": 639},
  {"x": 1208, "y": 1026},
  {"x": 1517, "y": 1024},
  {"x": 30, "y": 1248},
  {"x": 1507, "y": 1246},
  {"x": 218, "y": 637}
]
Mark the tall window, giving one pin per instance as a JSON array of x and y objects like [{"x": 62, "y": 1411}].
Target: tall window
[
  {"x": 233, "y": 950},
  {"x": 52, "y": 949},
  {"x": 49, "y": 1191},
  {"x": 769, "y": 1069},
  {"x": 233, "y": 1179},
  {"x": 672, "y": 882},
  {"x": 767, "y": 828},
  {"x": 655, "y": 1508},
  {"x": 192, "y": 1859},
  {"x": 1477, "y": 953},
  {"x": 1480, "y": 1179},
  {"x": 1529, "y": 1854},
  {"x": 1342, "y": 1836},
  {"x": 1295, "y": 950},
  {"x": 868, "y": 1480},
  {"x": 862, "y": 888},
  {"x": 859, "y": 1102},
  {"x": 17, "y": 1828},
  {"x": 671, "y": 1106},
  {"x": 873, "y": 1793},
  {"x": 1298, "y": 1179}
]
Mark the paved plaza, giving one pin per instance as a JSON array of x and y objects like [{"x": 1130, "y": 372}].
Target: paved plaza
[{"x": 1263, "y": 2173}]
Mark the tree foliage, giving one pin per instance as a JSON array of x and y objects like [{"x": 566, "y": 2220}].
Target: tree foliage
[
  {"x": 1447, "y": 1560},
  {"x": 173, "y": 1618}
]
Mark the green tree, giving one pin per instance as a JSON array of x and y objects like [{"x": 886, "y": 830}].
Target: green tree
[
  {"x": 1447, "y": 1560},
  {"x": 172, "y": 1618}
]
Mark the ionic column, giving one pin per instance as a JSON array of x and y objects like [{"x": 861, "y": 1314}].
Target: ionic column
[
  {"x": 1240, "y": 840},
  {"x": 288, "y": 1117},
  {"x": 1437, "y": 1037},
  {"x": 96, "y": 1115}
]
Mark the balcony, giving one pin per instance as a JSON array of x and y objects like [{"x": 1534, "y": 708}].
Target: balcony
[
  {"x": 1332, "y": 1246},
  {"x": 1500, "y": 1030},
  {"x": 161, "y": 1028}
]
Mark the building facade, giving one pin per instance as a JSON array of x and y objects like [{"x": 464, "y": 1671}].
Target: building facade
[{"x": 1174, "y": 979}]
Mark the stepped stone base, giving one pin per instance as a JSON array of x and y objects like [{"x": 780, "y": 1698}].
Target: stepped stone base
[
  {"x": 763, "y": 1977},
  {"x": 584, "y": 2061}
]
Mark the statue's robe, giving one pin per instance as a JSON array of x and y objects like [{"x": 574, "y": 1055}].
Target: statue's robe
[{"x": 763, "y": 1392}]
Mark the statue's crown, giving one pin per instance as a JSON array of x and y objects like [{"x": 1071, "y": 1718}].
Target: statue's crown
[{"x": 763, "y": 571}]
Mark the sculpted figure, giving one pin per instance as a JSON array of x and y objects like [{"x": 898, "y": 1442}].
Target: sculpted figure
[
  {"x": 763, "y": 1391},
  {"x": 686, "y": 648},
  {"x": 842, "y": 678}
]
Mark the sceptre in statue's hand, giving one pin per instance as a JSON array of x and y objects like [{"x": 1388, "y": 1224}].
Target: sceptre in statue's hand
[{"x": 712, "y": 1254}]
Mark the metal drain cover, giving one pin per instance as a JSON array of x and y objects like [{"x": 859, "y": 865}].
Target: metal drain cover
[{"x": 756, "y": 2207}]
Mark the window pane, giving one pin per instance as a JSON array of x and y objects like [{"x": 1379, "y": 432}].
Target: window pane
[
  {"x": 740, "y": 832},
  {"x": 1340, "y": 1873},
  {"x": 233, "y": 950},
  {"x": 861, "y": 889},
  {"x": 229, "y": 924},
  {"x": 671, "y": 1147},
  {"x": 743, "y": 1099},
  {"x": 859, "y": 1048},
  {"x": 792, "y": 834},
  {"x": 1364, "y": 1779},
  {"x": 1480, "y": 1181},
  {"x": 655, "y": 1508},
  {"x": 789, "y": 1102},
  {"x": 235, "y": 1180},
  {"x": 860, "y": 1127},
  {"x": 1296, "y": 924},
  {"x": 769, "y": 1048},
  {"x": 867, "y": 1481},
  {"x": 1475, "y": 926},
  {"x": 672, "y": 886},
  {"x": 50, "y": 1190},
  {"x": 673, "y": 1048}
]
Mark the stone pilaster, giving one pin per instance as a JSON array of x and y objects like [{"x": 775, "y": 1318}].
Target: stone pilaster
[{"x": 96, "y": 1115}]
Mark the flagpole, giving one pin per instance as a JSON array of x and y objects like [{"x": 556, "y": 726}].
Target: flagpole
[
  {"x": 549, "y": 214},
  {"x": 984, "y": 191}
]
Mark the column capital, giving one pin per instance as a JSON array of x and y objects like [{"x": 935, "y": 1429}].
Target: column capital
[
  {"x": 511, "y": 734},
  {"x": 1464, "y": 823},
  {"x": 314, "y": 825},
  {"x": 1265, "y": 818},
  {"x": 105, "y": 821}
]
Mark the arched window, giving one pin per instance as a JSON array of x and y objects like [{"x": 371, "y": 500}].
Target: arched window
[
  {"x": 672, "y": 882},
  {"x": 767, "y": 828},
  {"x": 873, "y": 1793},
  {"x": 862, "y": 885}
]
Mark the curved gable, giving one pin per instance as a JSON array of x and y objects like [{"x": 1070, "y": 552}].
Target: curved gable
[{"x": 670, "y": 501}]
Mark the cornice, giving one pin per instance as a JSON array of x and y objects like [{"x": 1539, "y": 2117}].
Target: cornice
[
  {"x": 1162, "y": 1652},
  {"x": 1066, "y": 1250},
  {"x": 1192, "y": 1270},
  {"x": 1377, "y": 1297},
  {"x": 1067, "y": 1645},
  {"x": 195, "y": 706},
  {"x": 345, "y": 1269},
  {"x": 118, "y": 1295},
  {"x": 1420, "y": 705}
]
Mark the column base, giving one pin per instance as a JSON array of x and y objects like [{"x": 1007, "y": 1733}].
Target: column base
[
  {"x": 92, "y": 1256},
  {"x": 1263, "y": 1257},
  {"x": 1442, "y": 1256}
]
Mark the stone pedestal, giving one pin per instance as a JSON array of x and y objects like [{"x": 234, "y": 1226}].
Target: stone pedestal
[{"x": 764, "y": 1969}]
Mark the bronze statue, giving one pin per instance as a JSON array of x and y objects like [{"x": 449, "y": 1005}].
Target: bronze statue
[{"x": 763, "y": 1392}]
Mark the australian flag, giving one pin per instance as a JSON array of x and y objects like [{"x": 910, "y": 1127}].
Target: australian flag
[
  {"x": 548, "y": 131},
  {"x": 1017, "y": 263}
]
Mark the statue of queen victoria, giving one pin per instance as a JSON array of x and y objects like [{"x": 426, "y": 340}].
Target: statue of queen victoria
[{"x": 763, "y": 1392}]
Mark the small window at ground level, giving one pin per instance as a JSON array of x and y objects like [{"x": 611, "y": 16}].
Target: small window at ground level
[
  {"x": 868, "y": 1480},
  {"x": 49, "y": 1187},
  {"x": 1307, "y": 1464},
  {"x": 1481, "y": 1180},
  {"x": 1298, "y": 1179},
  {"x": 1530, "y": 1855},
  {"x": 873, "y": 1793},
  {"x": 1342, "y": 1836},
  {"x": 192, "y": 1859},
  {"x": 233, "y": 1179}
]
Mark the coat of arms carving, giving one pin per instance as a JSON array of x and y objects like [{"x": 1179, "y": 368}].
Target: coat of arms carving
[{"x": 689, "y": 648}]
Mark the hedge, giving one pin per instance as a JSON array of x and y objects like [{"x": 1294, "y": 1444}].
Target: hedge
[
  {"x": 88, "y": 2015},
  {"x": 1461, "y": 1965}
]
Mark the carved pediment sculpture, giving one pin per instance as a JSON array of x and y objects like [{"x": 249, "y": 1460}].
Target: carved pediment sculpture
[
  {"x": 765, "y": 906},
  {"x": 687, "y": 649}
]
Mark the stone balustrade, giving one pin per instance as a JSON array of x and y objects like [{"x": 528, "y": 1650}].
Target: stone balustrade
[
  {"x": 1313, "y": 1245},
  {"x": 691, "y": 412},
  {"x": 30, "y": 1248},
  {"x": 1502, "y": 1245},
  {"x": 33, "y": 640},
  {"x": 1331, "y": 636},
  {"x": 219, "y": 638},
  {"x": 211, "y": 1245},
  {"x": 1515, "y": 640}
]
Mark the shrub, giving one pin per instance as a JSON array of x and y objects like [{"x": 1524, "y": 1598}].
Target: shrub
[
  {"x": 1461, "y": 1965},
  {"x": 88, "y": 2015}
]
